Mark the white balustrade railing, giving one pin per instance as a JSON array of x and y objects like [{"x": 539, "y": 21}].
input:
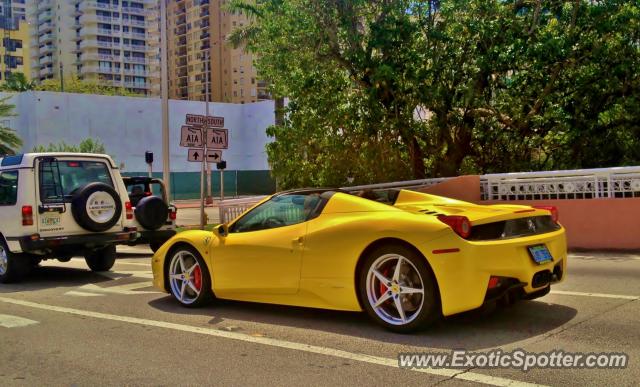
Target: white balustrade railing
[{"x": 570, "y": 184}]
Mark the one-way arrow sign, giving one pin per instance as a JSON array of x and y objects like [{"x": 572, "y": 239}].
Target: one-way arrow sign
[
  {"x": 195, "y": 154},
  {"x": 214, "y": 155}
]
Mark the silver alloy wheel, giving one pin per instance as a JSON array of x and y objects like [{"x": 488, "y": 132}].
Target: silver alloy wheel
[
  {"x": 395, "y": 289},
  {"x": 185, "y": 277},
  {"x": 4, "y": 261}
]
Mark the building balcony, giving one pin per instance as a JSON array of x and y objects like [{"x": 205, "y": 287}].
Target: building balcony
[
  {"x": 44, "y": 4},
  {"x": 44, "y": 16},
  {"x": 137, "y": 85},
  {"x": 136, "y": 47},
  {"x": 47, "y": 71},
  {"x": 46, "y": 27},
  {"x": 46, "y": 38},
  {"x": 131, "y": 59},
  {"x": 133, "y": 22},
  {"x": 99, "y": 57},
  {"x": 46, "y": 49},
  {"x": 98, "y": 31},
  {"x": 136, "y": 11},
  {"x": 135, "y": 35},
  {"x": 91, "y": 18},
  {"x": 46, "y": 60},
  {"x": 135, "y": 72},
  {"x": 99, "y": 70},
  {"x": 92, "y": 5}
]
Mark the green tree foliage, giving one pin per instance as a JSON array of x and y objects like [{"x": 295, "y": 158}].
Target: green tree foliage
[
  {"x": 392, "y": 89},
  {"x": 88, "y": 145},
  {"x": 73, "y": 84},
  {"x": 9, "y": 140},
  {"x": 17, "y": 82}
]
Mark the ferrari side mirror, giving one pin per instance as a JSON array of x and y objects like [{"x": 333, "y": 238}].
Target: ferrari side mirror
[{"x": 222, "y": 229}]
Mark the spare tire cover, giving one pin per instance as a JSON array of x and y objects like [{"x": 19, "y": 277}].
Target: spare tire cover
[
  {"x": 96, "y": 207},
  {"x": 151, "y": 212}
]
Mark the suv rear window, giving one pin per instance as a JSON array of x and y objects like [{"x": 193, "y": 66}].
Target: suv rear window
[
  {"x": 59, "y": 179},
  {"x": 8, "y": 188}
]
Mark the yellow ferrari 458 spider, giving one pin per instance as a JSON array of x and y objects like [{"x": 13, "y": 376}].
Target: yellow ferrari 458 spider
[{"x": 404, "y": 257}]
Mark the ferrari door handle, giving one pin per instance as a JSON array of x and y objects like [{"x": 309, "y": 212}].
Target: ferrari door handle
[{"x": 298, "y": 240}]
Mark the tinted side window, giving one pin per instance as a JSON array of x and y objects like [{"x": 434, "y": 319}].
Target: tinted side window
[
  {"x": 8, "y": 188},
  {"x": 281, "y": 210}
]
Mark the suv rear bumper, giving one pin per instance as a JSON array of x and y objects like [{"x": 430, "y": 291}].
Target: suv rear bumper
[
  {"x": 156, "y": 235},
  {"x": 28, "y": 243}
]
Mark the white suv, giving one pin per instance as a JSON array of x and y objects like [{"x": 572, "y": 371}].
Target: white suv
[{"x": 59, "y": 205}]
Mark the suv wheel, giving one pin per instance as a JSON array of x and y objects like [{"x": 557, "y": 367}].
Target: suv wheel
[
  {"x": 12, "y": 267},
  {"x": 101, "y": 259}
]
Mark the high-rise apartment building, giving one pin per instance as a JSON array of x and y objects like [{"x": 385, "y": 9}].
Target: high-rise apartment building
[
  {"x": 197, "y": 29},
  {"x": 114, "y": 42},
  {"x": 14, "y": 47}
]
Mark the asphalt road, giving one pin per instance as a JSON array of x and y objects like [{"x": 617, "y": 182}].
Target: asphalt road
[{"x": 68, "y": 326}]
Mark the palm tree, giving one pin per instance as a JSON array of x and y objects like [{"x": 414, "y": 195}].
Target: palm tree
[
  {"x": 240, "y": 36},
  {"x": 9, "y": 141}
]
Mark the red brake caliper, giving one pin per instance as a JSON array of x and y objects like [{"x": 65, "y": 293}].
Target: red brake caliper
[
  {"x": 197, "y": 277},
  {"x": 383, "y": 287}
]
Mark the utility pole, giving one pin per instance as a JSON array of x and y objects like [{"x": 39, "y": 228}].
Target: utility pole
[
  {"x": 61, "y": 76},
  {"x": 204, "y": 156},
  {"x": 164, "y": 86}
]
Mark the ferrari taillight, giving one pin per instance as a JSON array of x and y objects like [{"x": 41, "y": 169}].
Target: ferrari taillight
[
  {"x": 460, "y": 224},
  {"x": 129, "y": 210},
  {"x": 27, "y": 216},
  {"x": 555, "y": 215}
]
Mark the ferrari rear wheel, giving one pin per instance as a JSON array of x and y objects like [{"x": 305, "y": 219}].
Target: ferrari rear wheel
[
  {"x": 398, "y": 290},
  {"x": 189, "y": 278}
]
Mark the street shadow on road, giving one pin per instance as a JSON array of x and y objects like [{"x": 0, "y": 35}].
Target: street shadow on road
[
  {"x": 49, "y": 277},
  {"x": 472, "y": 330}
]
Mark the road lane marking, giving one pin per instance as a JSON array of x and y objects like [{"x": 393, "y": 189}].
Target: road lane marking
[
  {"x": 82, "y": 294},
  {"x": 128, "y": 289},
  {"x": 601, "y": 295},
  {"x": 147, "y": 274},
  {"x": 9, "y": 321},
  {"x": 360, "y": 357}
]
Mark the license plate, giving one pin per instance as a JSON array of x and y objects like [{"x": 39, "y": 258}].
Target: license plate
[{"x": 540, "y": 254}]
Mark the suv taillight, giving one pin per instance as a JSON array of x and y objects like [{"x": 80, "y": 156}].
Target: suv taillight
[
  {"x": 460, "y": 224},
  {"x": 173, "y": 213},
  {"x": 129, "y": 210},
  {"x": 27, "y": 216}
]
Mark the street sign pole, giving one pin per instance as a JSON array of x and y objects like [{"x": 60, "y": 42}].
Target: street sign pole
[
  {"x": 221, "y": 185},
  {"x": 164, "y": 86},
  {"x": 204, "y": 165},
  {"x": 208, "y": 93}
]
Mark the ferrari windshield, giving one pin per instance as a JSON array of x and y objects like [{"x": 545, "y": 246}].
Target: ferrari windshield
[{"x": 279, "y": 211}]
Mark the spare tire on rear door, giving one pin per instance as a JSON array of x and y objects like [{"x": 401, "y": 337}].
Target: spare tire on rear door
[
  {"x": 151, "y": 212},
  {"x": 96, "y": 207}
]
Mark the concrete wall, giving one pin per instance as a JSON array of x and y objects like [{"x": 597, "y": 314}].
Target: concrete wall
[
  {"x": 590, "y": 223},
  {"x": 129, "y": 126}
]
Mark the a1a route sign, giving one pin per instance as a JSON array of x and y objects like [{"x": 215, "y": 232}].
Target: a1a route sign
[
  {"x": 196, "y": 154},
  {"x": 218, "y": 138},
  {"x": 191, "y": 137}
]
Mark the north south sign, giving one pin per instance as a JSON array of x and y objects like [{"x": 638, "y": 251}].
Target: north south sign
[{"x": 206, "y": 121}]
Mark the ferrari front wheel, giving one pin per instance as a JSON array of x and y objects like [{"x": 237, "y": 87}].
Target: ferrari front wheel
[
  {"x": 397, "y": 289},
  {"x": 188, "y": 277}
]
